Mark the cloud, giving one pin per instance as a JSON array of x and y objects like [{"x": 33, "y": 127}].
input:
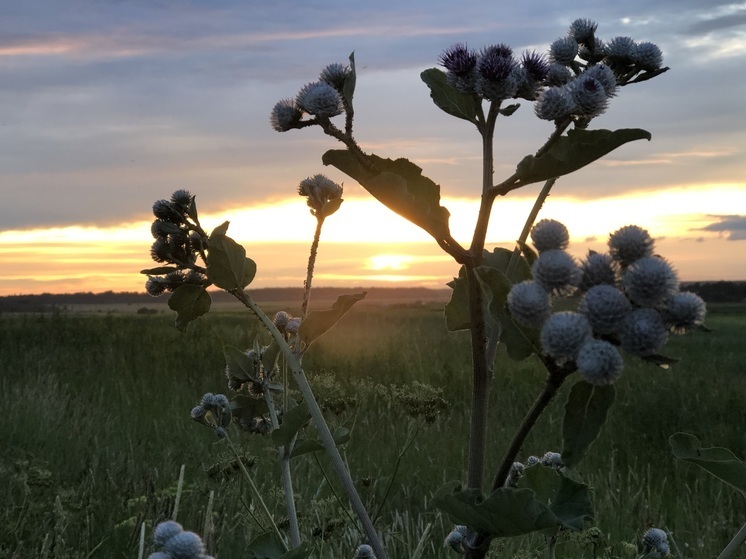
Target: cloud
[
  {"x": 732, "y": 225},
  {"x": 716, "y": 24}
]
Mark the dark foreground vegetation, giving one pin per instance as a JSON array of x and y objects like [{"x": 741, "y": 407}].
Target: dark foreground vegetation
[{"x": 95, "y": 428}]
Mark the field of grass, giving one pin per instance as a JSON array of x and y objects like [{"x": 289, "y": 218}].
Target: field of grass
[{"x": 96, "y": 426}]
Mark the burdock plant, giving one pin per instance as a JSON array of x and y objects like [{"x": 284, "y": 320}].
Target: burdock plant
[{"x": 628, "y": 300}]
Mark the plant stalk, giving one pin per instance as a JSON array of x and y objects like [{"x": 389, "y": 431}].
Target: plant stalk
[
  {"x": 311, "y": 264},
  {"x": 730, "y": 550}
]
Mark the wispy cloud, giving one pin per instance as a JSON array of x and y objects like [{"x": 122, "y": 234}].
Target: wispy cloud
[{"x": 733, "y": 226}]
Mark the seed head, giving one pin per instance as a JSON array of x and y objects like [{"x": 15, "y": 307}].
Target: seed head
[
  {"x": 643, "y": 332},
  {"x": 285, "y": 115},
  {"x": 320, "y": 99},
  {"x": 529, "y": 304},
  {"x": 564, "y": 333},
  {"x": 549, "y": 234},
  {"x": 630, "y": 243},
  {"x": 159, "y": 555},
  {"x": 599, "y": 362},
  {"x": 556, "y": 271},
  {"x": 650, "y": 281},
  {"x": 563, "y": 51},
  {"x": 684, "y": 311}
]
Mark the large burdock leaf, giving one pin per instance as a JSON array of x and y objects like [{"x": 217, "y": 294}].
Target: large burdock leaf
[
  {"x": 569, "y": 500},
  {"x": 448, "y": 98},
  {"x": 585, "y": 414},
  {"x": 573, "y": 151},
  {"x": 720, "y": 462},
  {"x": 190, "y": 302},
  {"x": 292, "y": 421},
  {"x": 227, "y": 266},
  {"x": 317, "y": 323},
  {"x": 400, "y": 186},
  {"x": 507, "y": 512}
]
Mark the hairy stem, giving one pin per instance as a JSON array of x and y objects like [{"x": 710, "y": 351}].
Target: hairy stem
[
  {"x": 327, "y": 440},
  {"x": 311, "y": 264},
  {"x": 557, "y": 376},
  {"x": 528, "y": 225},
  {"x": 285, "y": 474}
]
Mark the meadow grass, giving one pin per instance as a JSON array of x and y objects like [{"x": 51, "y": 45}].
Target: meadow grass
[{"x": 96, "y": 426}]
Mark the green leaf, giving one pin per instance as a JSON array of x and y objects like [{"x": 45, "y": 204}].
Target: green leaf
[
  {"x": 457, "y": 308},
  {"x": 719, "y": 461},
  {"x": 568, "y": 500},
  {"x": 303, "y": 551},
  {"x": 573, "y": 151},
  {"x": 661, "y": 360},
  {"x": 269, "y": 356},
  {"x": 247, "y": 407},
  {"x": 160, "y": 270},
  {"x": 304, "y": 446},
  {"x": 585, "y": 414},
  {"x": 330, "y": 207},
  {"x": 507, "y": 512},
  {"x": 317, "y": 323},
  {"x": 510, "y": 109},
  {"x": 400, "y": 186},
  {"x": 266, "y": 546},
  {"x": 240, "y": 365},
  {"x": 448, "y": 98},
  {"x": 293, "y": 421},
  {"x": 348, "y": 89},
  {"x": 190, "y": 302},
  {"x": 227, "y": 265},
  {"x": 192, "y": 209}
]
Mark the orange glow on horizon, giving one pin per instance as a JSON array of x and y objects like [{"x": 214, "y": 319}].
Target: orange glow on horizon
[{"x": 366, "y": 244}]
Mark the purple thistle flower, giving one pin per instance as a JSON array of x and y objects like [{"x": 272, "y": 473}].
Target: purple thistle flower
[
  {"x": 605, "y": 76},
  {"x": 529, "y": 304},
  {"x": 589, "y": 96},
  {"x": 459, "y": 60},
  {"x": 535, "y": 64},
  {"x": 496, "y": 73},
  {"x": 556, "y": 271},
  {"x": 621, "y": 49}
]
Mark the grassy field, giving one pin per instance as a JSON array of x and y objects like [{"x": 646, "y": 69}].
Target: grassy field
[{"x": 96, "y": 427}]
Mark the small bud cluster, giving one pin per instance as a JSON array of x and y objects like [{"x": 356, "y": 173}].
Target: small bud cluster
[
  {"x": 178, "y": 242},
  {"x": 630, "y": 300},
  {"x": 364, "y": 552},
  {"x": 176, "y": 543},
  {"x": 322, "y": 100},
  {"x": 455, "y": 539},
  {"x": 585, "y": 73},
  {"x": 320, "y": 191},
  {"x": 287, "y": 325},
  {"x": 214, "y": 411},
  {"x": 655, "y": 543}
]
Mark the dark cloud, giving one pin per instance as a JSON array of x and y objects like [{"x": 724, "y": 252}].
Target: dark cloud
[
  {"x": 732, "y": 225},
  {"x": 716, "y": 24}
]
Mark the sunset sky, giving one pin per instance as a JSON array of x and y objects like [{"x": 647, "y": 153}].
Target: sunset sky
[{"x": 107, "y": 106}]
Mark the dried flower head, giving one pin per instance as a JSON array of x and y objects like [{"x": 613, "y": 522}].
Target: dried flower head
[
  {"x": 549, "y": 234},
  {"x": 564, "y": 333},
  {"x": 285, "y": 115},
  {"x": 563, "y": 51},
  {"x": 599, "y": 362},
  {"x": 529, "y": 304},
  {"x": 683, "y": 312},
  {"x": 320, "y": 99},
  {"x": 605, "y": 307},
  {"x": 650, "y": 281},
  {"x": 320, "y": 190},
  {"x": 556, "y": 271},
  {"x": 630, "y": 243},
  {"x": 643, "y": 332}
]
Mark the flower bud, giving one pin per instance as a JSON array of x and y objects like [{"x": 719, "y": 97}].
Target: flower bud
[
  {"x": 563, "y": 51},
  {"x": 589, "y": 96},
  {"x": 599, "y": 362},
  {"x": 320, "y": 99},
  {"x": 552, "y": 460},
  {"x": 549, "y": 234},
  {"x": 630, "y": 243},
  {"x": 643, "y": 332},
  {"x": 364, "y": 552},
  {"x": 684, "y": 311},
  {"x": 597, "y": 269},
  {"x": 529, "y": 304},
  {"x": 496, "y": 73},
  {"x": 650, "y": 281},
  {"x": 582, "y": 30},
  {"x": 620, "y": 49},
  {"x": 182, "y": 200},
  {"x": 655, "y": 543},
  {"x": 184, "y": 545},
  {"x": 605, "y": 76},
  {"x": 605, "y": 307},
  {"x": 647, "y": 56},
  {"x": 285, "y": 115},
  {"x": 556, "y": 271},
  {"x": 335, "y": 75},
  {"x": 165, "y": 531},
  {"x": 163, "y": 209},
  {"x": 563, "y": 334},
  {"x": 554, "y": 103},
  {"x": 558, "y": 75}
]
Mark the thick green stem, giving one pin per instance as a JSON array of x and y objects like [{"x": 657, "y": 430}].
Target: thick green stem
[
  {"x": 327, "y": 440},
  {"x": 285, "y": 474},
  {"x": 735, "y": 543}
]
